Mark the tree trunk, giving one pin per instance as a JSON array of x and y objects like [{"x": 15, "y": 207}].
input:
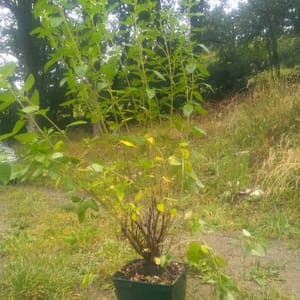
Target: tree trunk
[{"x": 29, "y": 55}]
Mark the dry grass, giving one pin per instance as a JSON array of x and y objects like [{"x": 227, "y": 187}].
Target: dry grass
[{"x": 280, "y": 171}]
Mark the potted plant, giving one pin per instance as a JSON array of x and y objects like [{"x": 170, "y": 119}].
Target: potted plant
[{"x": 141, "y": 194}]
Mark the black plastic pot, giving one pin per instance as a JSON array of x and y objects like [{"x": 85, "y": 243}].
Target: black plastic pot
[{"x": 138, "y": 290}]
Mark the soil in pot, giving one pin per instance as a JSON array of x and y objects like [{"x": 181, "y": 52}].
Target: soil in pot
[{"x": 141, "y": 280}]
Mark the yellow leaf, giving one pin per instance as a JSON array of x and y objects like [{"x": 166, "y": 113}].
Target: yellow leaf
[
  {"x": 173, "y": 212},
  {"x": 185, "y": 153},
  {"x": 57, "y": 182},
  {"x": 174, "y": 161},
  {"x": 183, "y": 144},
  {"x": 150, "y": 140},
  {"x": 156, "y": 260},
  {"x": 138, "y": 196},
  {"x": 205, "y": 249},
  {"x": 127, "y": 143},
  {"x": 160, "y": 207},
  {"x": 166, "y": 179},
  {"x": 158, "y": 158},
  {"x": 134, "y": 217}
]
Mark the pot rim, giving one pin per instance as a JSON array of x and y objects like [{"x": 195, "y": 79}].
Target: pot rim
[{"x": 116, "y": 276}]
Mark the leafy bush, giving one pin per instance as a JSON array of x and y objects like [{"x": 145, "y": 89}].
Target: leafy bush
[{"x": 140, "y": 193}]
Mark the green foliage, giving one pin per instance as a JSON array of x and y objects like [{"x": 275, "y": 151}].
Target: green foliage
[
  {"x": 82, "y": 205},
  {"x": 211, "y": 267},
  {"x": 252, "y": 245},
  {"x": 289, "y": 49},
  {"x": 140, "y": 193},
  {"x": 263, "y": 274},
  {"x": 111, "y": 83}
]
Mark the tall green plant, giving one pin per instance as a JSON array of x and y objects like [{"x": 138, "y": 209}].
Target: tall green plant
[{"x": 110, "y": 82}]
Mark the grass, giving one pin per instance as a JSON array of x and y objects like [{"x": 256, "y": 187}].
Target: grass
[
  {"x": 252, "y": 142},
  {"x": 263, "y": 274},
  {"x": 47, "y": 253}
]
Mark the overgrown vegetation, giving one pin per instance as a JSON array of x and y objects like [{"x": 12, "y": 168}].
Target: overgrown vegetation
[
  {"x": 42, "y": 230},
  {"x": 134, "y": 72},
  {"x": 133, "y": 59}
]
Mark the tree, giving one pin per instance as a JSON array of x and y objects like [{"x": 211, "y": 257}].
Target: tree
[
  {"x": 32, "y": 54},
  {"x": 263, "y": 19}
]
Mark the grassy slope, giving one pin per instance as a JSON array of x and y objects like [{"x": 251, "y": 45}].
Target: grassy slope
[{"x": 252, "y": 142}]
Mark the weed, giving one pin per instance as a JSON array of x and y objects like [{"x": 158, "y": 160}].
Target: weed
[{"x": 263, "y": 274}]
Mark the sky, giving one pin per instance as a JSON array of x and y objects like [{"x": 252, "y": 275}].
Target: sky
[{"x": 232, "y": 4}]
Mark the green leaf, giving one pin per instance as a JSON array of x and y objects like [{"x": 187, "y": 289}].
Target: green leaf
[
  {"x": 7, "y": 70},
  {"x": 51, "y": 62},
  {"x": 83, "y": 206},
  {"x": 29, "y": 83},
  {"x": 76, "y": 123},
  {"x": 95, "y": 168},
  {"x": 150, "y": 93},
  {"x": 101, "y": 85},
  {"x": 159, "y": 75},
  {"x": 18, "y": 126},
  {"x": 173, "y": 212},
  {"x": 198, "y": 131},
  {"x": 30, "y": 109},
  {"x": 194, "y": 253},
  {"x": 56, "y": 21},
  {"x": 165, "y": 259},
  {"x": 57, "y": 155},
  {"x": 190, "y": 68},
  {"x": 203, "y": 70},
  {"x": 91, "y": 204},
  {"x": 7, "y": 98},
  {"x": 88, "y": 279},
  {"x": 5, "y": 173},
  {"x": 188, "y": 109},
  {"x": 258, "y": 250},
  {"x": 204, "y": 48},
  {"x": 29, "y": 137},
  {"x": 75, "y": 199},
  {"x": 35, "y": 98},
  {"x": 205, "y": 249},
  {"x": 81, "y": 70},
  {"x": 174, "y": 161},
  {"x": 246, "y": 233}
]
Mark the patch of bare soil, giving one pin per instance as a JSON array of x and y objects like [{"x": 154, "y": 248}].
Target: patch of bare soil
[
  {"x": 281, "y": 256},
  {"x": 277, "y": 271}
]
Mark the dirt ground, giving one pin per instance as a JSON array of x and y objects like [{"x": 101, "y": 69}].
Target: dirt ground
[
  {"x": 282, "y": 256},
  {"x": 279, "y": 268}
]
